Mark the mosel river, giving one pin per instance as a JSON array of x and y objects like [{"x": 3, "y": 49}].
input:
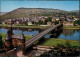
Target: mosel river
[{"x": 68, "y": 34}]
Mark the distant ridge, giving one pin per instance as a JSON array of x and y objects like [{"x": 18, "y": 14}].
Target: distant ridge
[
  {"x": 2, "y": 13},
  {"x": 34, "y": 8},
  {"x": 28, "y": 12},
  {"x": 75, "y": 11}
]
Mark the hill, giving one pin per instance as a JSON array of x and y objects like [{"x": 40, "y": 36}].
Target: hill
[{"x": 31, "y": 12}]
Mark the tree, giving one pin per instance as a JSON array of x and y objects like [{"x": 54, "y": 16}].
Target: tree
[
  {"x": 77, "y": 22},
  {"x": 67, "y": 44},
  {"x": 49, "y": 18},
  {"x": 56, "y": 22}
]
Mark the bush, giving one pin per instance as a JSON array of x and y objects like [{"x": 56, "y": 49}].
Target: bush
[
  {"x": 56, "y": 22},
  {"x": 67, "y": 44},
  {"x": 77, "y": 22},
  {"x": 60, "y": 45}
]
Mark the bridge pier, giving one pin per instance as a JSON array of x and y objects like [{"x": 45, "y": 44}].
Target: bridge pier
[
  {"x": 53, "y": 31},
  {"x": 59, "y": 28},
  {"x": 57, "y": 31},
  {"x": 42, "y": 39},
  {"x": 52, "y": 36}
]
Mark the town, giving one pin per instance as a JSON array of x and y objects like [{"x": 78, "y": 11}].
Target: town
[{"x": 44, "y": 20}]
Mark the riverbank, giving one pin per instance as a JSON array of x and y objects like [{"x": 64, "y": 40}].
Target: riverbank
[
  {"x": 71, "y": 27},
  {"x": 38, "y": 26},
  {"x": 26, "y": 26},
  {"x": 54, "y": 42}
]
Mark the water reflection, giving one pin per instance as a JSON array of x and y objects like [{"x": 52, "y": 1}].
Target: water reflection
[{"x": 70, "y": 34}]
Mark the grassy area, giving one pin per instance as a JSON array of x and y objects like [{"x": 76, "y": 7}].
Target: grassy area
[
  {"x": 26, "y": 26},
  {"x": 28, "y": 37},
  {"x": 4, "y": 35},
  {"x": 54, "y": 42},
  {"x": 71, "y": 27}
]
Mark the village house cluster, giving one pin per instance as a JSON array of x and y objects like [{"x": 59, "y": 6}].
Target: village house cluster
[{"x": 67, "y": 20}]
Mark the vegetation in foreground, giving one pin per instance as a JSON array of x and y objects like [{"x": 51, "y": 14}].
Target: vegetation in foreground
[
  {"x": 55, "y": 42},
  {"x": 62, "y": 51},
  {"x": 61, "y": 48}
]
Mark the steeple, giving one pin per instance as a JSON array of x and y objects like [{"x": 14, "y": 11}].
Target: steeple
[
  {"x": 22, "y": 36},
  {"x": 11, "y": 29},
  {"x": 9, "y": 33}
]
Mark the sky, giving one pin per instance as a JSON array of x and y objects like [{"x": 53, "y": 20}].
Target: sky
[{"x": 7, "y": 6}]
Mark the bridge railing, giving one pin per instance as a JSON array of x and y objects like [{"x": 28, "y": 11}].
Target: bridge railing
[{"x": 40, "y": 35}]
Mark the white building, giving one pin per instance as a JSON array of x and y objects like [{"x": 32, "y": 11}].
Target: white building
[{"x": 29, "y": 23}]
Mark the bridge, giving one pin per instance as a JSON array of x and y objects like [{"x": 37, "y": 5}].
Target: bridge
[{"x": 41, "y": 35}]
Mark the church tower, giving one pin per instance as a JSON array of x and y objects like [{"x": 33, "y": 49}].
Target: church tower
[
  {"x": 22, "y": 39},
  {"x": 8, "y": 39}
]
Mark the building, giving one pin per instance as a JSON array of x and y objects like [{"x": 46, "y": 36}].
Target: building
[
  {"x": 65, "y": 23},
  {"x": 53, "y": 20},
  {"x": 17, "y": 22},
  {"x": 29, "y": 23},
  {"x": 70, "y": 20},
  {"x": 49, "y": 23},
  {"x": 42, "y": 20},
  {"x": 57, "y": 19},
  {"x": 3, "y": 23},
  {"x": 13, "y": 40}
]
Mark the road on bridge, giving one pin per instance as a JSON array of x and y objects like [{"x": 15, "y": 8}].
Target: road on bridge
[{"x": 40, "y": 35}]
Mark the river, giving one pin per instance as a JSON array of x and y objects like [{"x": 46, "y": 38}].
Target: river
[{"x": 67, "y": 34}]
